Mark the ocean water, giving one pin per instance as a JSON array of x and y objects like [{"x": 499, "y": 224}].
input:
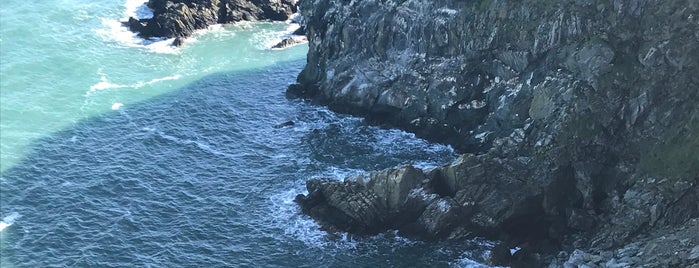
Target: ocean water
[{"x": 121, "y": 152}]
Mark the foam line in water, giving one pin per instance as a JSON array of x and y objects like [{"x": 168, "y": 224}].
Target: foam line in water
[
  {"x": 104, "y": 83},
  {"x": 156, "y": 80},
  {"x": 9, "y": 220}
]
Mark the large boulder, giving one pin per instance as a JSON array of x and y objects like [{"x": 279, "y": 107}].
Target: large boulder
[{"x": 364, "y": 205}]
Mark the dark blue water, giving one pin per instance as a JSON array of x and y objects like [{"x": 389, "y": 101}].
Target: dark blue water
[{"x": 200, "y": 177}]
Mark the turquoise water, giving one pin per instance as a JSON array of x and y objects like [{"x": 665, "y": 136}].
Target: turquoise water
[
  {"x": 65, "y": 61},
  {"x": 120, "y": 153}
]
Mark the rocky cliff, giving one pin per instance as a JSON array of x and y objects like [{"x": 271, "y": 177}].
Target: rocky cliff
[
  {"x": 180, "y": 18},
  {"x": 579, "y": 118}
]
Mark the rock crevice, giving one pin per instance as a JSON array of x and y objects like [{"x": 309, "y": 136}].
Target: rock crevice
[{"x": 578, "y": 118}]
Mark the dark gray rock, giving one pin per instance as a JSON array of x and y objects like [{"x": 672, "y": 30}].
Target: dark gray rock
[
  {"x": 180, "y": 18},
  {"x": 179, "y": 41},
  {"x": 363, "y": 205},
  {"x": 289, "y": 41},
  {"x": 578, "y": 118}
]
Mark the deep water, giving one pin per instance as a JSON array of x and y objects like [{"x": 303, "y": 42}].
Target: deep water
[
  {"x": 122, "y": 152},
  {"x": 200, "y": 177}
]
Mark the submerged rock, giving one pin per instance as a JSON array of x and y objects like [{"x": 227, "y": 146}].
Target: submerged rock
[
  {"x": 180, "y": 18},
  {"x": 579, "y": 119},
  {"x": 285, "y": 124}
]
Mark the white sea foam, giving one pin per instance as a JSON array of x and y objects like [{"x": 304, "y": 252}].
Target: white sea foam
[
  {"x": 9, "y": 220},
  {"x": 467, "y": 258},
  {"x": 114, "y": 30},
  {"x": 292, "y": 27},
  {"x": 117, "y": 105},
  {"x": 138, "y": 9},
  {"x": 104, "y": 83},
  {"x": 288, "y": 217},
  {"x": 301, "y": 227},
  {"x": 265, "y": 39},
  {"x": 156, "y": 80},
  {"x": 294, "y": 18},
  {"x": 465, "y": 262}
]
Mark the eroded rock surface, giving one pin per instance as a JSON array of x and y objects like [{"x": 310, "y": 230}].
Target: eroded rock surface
[
  {"x": 579, "y": 118},
  {"x": 180, "y": 18}
]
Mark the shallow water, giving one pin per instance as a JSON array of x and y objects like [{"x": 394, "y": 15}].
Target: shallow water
[
  {"x": 73, "y": 60},
  {"x": 119, "y": 154}
]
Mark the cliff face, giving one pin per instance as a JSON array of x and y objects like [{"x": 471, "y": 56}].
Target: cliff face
[{"x": 579, "y": 117}]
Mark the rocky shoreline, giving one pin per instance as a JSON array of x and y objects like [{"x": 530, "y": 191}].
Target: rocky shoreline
[
  {"x": 578, "y": 120},
  {"x": 180, "y": 18}
]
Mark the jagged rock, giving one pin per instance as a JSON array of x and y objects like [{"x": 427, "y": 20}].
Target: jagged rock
[
  {"x": 578, "y": 118},
  {"x": 344, "y": 206},
  {"x": 363, "y": 205},
  {"x": 179, "y": 41},
  {"x": 180, "y": 18},
  {"x": 289, "y": 41}
]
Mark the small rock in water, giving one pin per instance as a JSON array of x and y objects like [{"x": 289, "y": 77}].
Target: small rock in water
[
  {"x": 285, "y": 124},
  {"x": 179, "y": 41},
  {"x": 289, "y": 41}
]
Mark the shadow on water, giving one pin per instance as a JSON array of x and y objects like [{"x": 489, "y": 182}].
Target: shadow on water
[{"x": 201, "y": 177}]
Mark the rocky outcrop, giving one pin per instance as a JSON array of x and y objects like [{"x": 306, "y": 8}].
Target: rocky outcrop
[
  {"x": 180, "y": 18},
  {"x": 673, "y": 247},
  {"x": 579, "y": 117},
  {"x": 290, "y": 41}
]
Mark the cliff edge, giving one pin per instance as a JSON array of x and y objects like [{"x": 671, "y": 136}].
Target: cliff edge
[{"x": 578, "y": 119}]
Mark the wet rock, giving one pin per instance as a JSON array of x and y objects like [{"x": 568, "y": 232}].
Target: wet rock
[
  {"x": 289, "y": 41},
  {"x": 577, "y": 121},
  {"x": 500, "y": 255},
  {"x": 364, "y": 205},
  {"x": 301, "y": 31},
  {"x": 179, "y": 41},
  {"x": 180, "y": 18},
  {"x": 134, "y": 24}
]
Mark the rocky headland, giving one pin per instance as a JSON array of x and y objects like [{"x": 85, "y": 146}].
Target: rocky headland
[
  {"x": 180, "y": 18},
  {"x": 577, "y": 119}
]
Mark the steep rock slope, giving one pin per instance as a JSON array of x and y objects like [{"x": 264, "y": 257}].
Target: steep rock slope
[{"x": 579, "y": 117}]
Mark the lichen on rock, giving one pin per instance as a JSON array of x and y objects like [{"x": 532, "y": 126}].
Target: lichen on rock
[{"x": 579, "y": 119}]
